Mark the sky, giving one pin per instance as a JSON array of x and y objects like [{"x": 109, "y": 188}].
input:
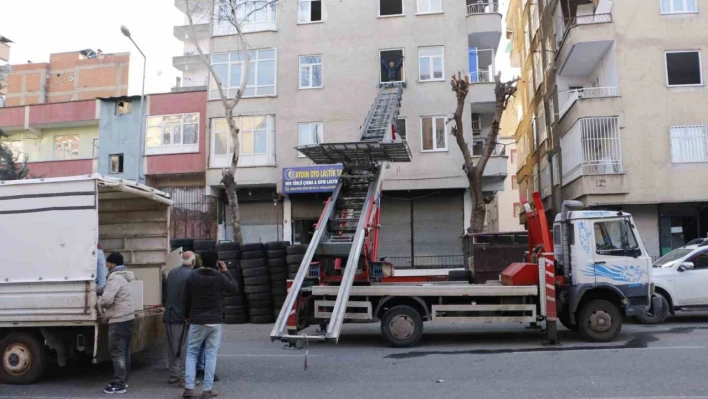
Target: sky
[{"x": 41, "y": 27}]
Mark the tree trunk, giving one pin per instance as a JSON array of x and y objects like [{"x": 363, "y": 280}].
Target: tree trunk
[
  {"x": 479, "y": 210},
  {"x": 231, "y": 194}
]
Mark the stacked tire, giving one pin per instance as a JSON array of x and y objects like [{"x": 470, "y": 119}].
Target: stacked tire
[
  {"x": 235, "y": 305},
  {"x": 201, "y": 246},
  {"x": 293, "y": 258},
  {"x": 276, "y": 255},
  {"x": 187, "y": 244},
  {"x": 256, "y": 283}
]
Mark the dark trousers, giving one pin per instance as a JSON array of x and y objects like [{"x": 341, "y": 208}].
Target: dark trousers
[{"x": 119, "y": 345}]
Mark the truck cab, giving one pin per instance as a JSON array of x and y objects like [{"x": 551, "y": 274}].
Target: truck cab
[{"x": 600, "y": 257}]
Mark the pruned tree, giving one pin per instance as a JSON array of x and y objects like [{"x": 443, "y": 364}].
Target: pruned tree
[
  {"x": 12, "y": 166},
  {"x": 474, "y": 166},
  {"x": 234, "y": 13}
]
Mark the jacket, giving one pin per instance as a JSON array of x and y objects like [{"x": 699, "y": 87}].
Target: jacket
[
  {"x": 203, "y": 291},
  {"x": 174, "y": 307},
  {"x": 392, "y": 72},
  {"x": 101, "y": 269},
  {"x": 117, "y": 301}
]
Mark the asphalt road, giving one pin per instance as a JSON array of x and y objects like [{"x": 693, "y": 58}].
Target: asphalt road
[{"x": 452, "y": 361}]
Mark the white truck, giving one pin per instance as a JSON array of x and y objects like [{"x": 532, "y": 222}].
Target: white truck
[{"x": 49, "y": 232}]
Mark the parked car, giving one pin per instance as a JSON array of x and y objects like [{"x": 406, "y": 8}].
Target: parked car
[{"x": 681, "y": 280}]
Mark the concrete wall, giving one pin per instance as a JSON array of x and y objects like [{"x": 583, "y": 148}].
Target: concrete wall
[
  {"x": 349, "y": 41},
  {"x": 41, "y": 148},
  {"x": 120, "y": 134},
  {"x": 503, "y": 206},
  {"x": 646, "y": 218}
]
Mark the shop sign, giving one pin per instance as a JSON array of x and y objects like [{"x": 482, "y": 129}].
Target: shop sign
[{"x": 311, "y": 179}]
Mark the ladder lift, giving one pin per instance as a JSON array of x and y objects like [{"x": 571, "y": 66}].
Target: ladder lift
[{"x": 351, "y": 213}]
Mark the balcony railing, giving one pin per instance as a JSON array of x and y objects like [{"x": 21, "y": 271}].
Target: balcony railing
[
  {"x": 584, "y": 20},
  {"x": 588, "y": 92},
  {"x": 482, "y": 8},
  {"x": 689, "y": 144},
  {"x": 592, "y": 147},
  {"x": 481, "y": 77}
]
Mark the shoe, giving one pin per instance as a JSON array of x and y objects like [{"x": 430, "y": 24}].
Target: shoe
[
  {"x": 173, "y": 380},
  {"x": 115, "y": 388},
  {"x": 209, "y": 394},
  {"x": 188, "y": 393}
]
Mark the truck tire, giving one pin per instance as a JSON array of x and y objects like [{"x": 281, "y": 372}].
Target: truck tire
[
  {"x": 402, "y": 326},
  {"x": 236, "y": 319},
  {"x": 23, "y": 357},
  {"x": 277, "y": 245},
  {"x": 564, "y": 319},
  {"x": 296, "y": 249},
  {"x": 250, "y": 263},
  {"x": 262, "y": 296},
  {"x": 295, "y": 259},
  {"x": 267, "y": 311},
  {"x": 650, "y": 318},
  {"x": 262, "y": 319},
  {"x": 252, "y": 255},
  {"x": 228, "y": 255},
  {"x": 258, "y": 289},
  {"x": 255, "y": 272},
  {"x": 258, "y": 280},
  {"x": 277, "y": 263},
  {"x": 252, "y": 247},
  {"x": 293, "y": 268},
  {"x": 233, "y": 300},
  {"x": 204, "y": 245},
  {"x": 228, "y": 246},
  {"x": 599, "y": 321}
]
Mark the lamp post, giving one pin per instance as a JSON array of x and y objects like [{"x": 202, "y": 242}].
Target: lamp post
[{"x": 141, "y": 140}]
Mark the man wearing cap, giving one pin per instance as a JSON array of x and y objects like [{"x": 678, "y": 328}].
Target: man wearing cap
[
  {"x": 117, "y": 305},
  {"x": 174, "y": 317}
]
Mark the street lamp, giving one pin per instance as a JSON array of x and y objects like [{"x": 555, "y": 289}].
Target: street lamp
[{"x": 141, "y": 140}]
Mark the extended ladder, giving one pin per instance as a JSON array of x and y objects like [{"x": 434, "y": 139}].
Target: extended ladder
[{"x": 341, "y": 230}]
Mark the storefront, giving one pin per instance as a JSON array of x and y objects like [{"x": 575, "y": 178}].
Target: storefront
[{"x": 261, "y": 212}]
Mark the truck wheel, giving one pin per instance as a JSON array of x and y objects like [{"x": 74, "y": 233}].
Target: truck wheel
[
  {"x": 24, "y": 358},
  {"x": 564, "y": 319},
  {"x": 599, "y": 321},
  {"x": 650, "y": 318},
  {"x": 402, "y": 326}
]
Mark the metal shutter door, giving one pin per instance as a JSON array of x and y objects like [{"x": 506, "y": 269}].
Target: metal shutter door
[
  {"x": 395, "y": 237},
  {"x": 438, "y": 223},
  {"x": 260, "y": 221}
]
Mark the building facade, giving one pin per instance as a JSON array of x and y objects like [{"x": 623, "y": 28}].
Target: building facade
[
  {"x": 314, "y": 76},
  {"x": 4, "y": 67},
  {"x": 71, "y": 76},
  {"x": 614, "y": 94}
]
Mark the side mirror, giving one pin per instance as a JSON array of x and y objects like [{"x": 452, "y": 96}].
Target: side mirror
[{"x": 686, "y": 266}]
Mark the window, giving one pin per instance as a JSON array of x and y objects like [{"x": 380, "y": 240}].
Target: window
[
  {"x": 310, "y": 71},
  {"x": 537, "y": 68},
  {"x": 700, "y": 260},
  {"x": 256, "y": 139},
  {"x": 168, "y": 134},
  {"x": 401, "y": 130},
  {"x": 534, "y": 180},
  {"x": 389, "y": 8},
  {"x": 66, "y": 147},
  {"x": 309, "y": 133},
  {"x": 477, "y": 147},
  {"x": 430, "y": 63},
  {"x": 541, "y": 123},
  {"x": 533, "y": 15},
  {"x": 392, "y": 66},
  {"x": 683, "y": 68},
  {"x": 689, "y": 144},
  {"x": 678, "y": 6},
  {"x": 556, "y": 170},
  {"x": 251, "y": 15},
  {"x": 115, "y": 163},
  {"x": 614, "y": 238},
  {"x": 522, "y": 149},
  {"x": 534, "y": 133},
  {"x": 552, "y": 110},
  {"x": 433, "y": 133},
  {"x": 476, "y": 124},
  {"x": 512, "y": 156},
  {"x": 309, "y": 11},
  {"x": 429, "y": 6},
  {"x": 123, "y": 107},
  {"x": 529, "y": 87},
  {"x": 546, "y": 187},
  {"x": 261, "y": 74},
  {"x": 517, "y": 209},
  {"x": 514, "y": 183}
]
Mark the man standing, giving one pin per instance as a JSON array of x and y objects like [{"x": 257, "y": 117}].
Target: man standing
[
  {"x": 117, "y": 303},
  {"x": 392, "y": 69},
  {"x": 101, "y": 270},
  {"x": 204, "y": 312},
  {"x": 174, "y": 317}
]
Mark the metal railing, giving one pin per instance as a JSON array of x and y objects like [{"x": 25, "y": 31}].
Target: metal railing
[
  {"x": 592, "y": 147},
  {"x": 481, "y": 77},
  {"x": 428, "y": 262},
  {"x": 592, "y": 19},
  {"x": 482, "y": 8},
  {"x": 588, "y": 92},
  {"x": 689, "y": 144}
]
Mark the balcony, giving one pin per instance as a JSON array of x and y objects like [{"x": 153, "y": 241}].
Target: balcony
[
  {"x": 585, "y": 94},
  {"x": 190, "y": 60},
  {"x": 4, "y": 52},
  {"x": 583, "y": 44},
  {"x": 482, "y": 76},
  {"x": 484, "y": 24},
  {"x": 184, "y": 32}
]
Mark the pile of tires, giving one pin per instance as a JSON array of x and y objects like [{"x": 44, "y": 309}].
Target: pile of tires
[
  {"x": 276, "y": 256},
  {"x": 256, "y": 283},
  {"x": 201, "y": 246},
  {"x": 235, "y": 305},
  {"x": 294, "y": 255},
  {"x": 187, "y": 244}
]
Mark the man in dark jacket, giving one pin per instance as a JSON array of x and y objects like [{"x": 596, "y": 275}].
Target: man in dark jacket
[
  {"x": 392, "y": 70},
  {"x": 174, "y": 317},
  {"x": 204, "y": 312}
]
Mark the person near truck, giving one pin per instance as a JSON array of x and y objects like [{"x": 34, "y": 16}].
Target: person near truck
[
  {"x": 173, "y": 318},
  {"x": 204, "y": 312},
  {"x": 117, "y": 305},
  {"x": 101, "y": 270}
]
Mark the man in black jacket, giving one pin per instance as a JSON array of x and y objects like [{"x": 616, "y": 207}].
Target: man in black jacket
[
  {"x": 204, "y": 312},
  {"x": 174, "y": 317}
]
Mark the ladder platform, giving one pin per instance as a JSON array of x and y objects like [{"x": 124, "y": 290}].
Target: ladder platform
[{"x": 358, "y": 152}]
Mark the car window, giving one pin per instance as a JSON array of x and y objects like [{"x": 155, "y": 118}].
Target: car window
[
  {"x": 669, "y": 259},
  {"x": 700, "y": 261},
  {"x": 614, "y": 238}
]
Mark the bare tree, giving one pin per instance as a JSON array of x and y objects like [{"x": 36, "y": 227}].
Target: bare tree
[
  {"x": 234, "y": 13},
  {"x": 12, "y": 166},
  {"x": 475, "y": 171}
]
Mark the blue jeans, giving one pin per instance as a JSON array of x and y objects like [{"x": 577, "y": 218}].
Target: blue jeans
[
  {"x": 198, "y": 335},
  {"x": 202, "y": 358}
]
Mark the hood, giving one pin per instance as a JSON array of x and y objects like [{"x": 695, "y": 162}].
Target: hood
[
  {"x": 205, "y": 277},
  {"x": 659, "y": 272},
  {"x": 123, "y": 271}
]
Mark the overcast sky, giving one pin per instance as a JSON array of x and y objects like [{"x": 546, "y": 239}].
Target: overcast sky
[{"x": 41, "y": 27}]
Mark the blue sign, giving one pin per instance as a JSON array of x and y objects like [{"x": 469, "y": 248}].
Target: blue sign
[{"x": 311, "y": 179}]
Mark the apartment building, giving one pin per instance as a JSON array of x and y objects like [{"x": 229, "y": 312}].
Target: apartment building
[
  {"x": 4, "y": 67},
  {"x": 71, "y": 76},
  {"x": 611, "y": 95},
  {"x": 315, "y": 70}
]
